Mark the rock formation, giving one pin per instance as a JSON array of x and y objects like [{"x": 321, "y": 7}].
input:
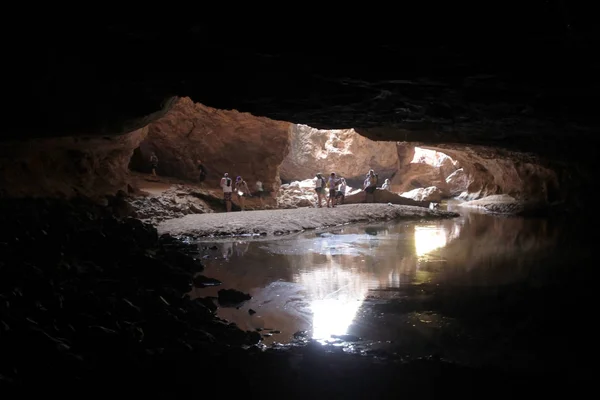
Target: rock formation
[
  {"x": 225, "y": 141},
  {"x": 342, "y": 151},
  {"x": 92, "y": 166},
  {"x": 384, "y": 196},
  {"x": 488, "y": 171},
  {"x": 428, "y": 194}
]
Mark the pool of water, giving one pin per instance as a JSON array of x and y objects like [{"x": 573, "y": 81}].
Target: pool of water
[{"x": 478, "y": 289}]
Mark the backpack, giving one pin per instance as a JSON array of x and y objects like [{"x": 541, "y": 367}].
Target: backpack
[
  {"x": 323, "y": 183},
  {"x": 228, "y": 182}
]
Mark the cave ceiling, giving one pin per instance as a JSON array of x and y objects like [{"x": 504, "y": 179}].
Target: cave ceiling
[{"x": 521, "y": 77}]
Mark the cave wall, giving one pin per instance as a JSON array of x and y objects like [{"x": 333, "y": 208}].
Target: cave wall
[
  {"x": 419, "y": 174},
  {"x": 92, "y": 166},
  {"x": 226, "y": 141},
  {"x": 491, "y": 171},
  {"x": 342, "y": 151}
]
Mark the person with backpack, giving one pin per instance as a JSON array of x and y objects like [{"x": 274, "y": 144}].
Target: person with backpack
[
  {"x": 241, "y": 191},
  {"x": 320, "y": 188},
  {"x": 227, "y": 190},
  {"x": 370, "y": 185}
]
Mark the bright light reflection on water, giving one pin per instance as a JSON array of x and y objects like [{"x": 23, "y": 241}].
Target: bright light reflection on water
[
  {"x": 336, "y": 295},
  {"x": 429, "y": 238}
]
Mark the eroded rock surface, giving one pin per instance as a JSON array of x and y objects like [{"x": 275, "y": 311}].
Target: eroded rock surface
[
  {"x": 342, "y": 151},
  {"x": 225, "y": 141},
  {"x": 422, "y": 168},
  {"x": 174, "y": 202},
  {"x": 489, "y": 171},
  {"x": 66, "y": 167}
]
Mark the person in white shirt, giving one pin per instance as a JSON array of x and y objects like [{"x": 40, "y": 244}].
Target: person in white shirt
[
  {"x": 386, "y": 185},
  {"x": 341, "y": 193},
  {"x": 261, "y": 193},
  {"x": 227, "y": 186},
  {"x": 319, "y": 188}
]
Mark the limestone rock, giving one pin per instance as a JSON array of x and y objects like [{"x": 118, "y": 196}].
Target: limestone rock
[
  {"x": 383, "y": 196},
  {"x": 495, "y": 171},
  {"x": 342, "y": 151},
  {"x": 225, "y": 141},
  {"x": 457, "y": 182},
  {"x": 421, "y": 168},
  {"x": 428, "y": 194}
]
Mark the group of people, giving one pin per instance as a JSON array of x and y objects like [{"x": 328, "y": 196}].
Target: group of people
[
  {"x": 337, "y": 187},
  {"x": 338, "y": 194},
  {"x": 241, "y": 190}
]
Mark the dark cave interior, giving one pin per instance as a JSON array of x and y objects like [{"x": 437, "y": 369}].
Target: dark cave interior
[{"x": 515, "y": 85}]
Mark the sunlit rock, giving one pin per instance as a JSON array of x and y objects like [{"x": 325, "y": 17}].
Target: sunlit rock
[
  {"x": 342, "y": 151},
  {"x": 429, "y": 194}
]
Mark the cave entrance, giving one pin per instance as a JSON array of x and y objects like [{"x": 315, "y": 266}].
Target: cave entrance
[
  {"x": 285, "y": 157},
  {"x": 412, "y": 172}
]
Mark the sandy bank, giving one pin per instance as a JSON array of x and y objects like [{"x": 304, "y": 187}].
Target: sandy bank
[{"x": 281, "y": 222}]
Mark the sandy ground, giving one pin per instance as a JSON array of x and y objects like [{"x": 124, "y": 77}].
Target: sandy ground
[{"x": 282, "y": 222}]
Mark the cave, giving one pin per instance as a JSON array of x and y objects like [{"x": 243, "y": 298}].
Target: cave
[{"x": 469, "y": 273}]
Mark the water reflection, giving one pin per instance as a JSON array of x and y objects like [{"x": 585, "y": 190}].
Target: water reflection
[
  {"x": 429, "y": 238},
  {"x": 325, "y": 283}
]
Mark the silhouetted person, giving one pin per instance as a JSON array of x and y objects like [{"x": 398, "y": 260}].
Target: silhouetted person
[
  {"x": 202, "y": 170},
  {"x": 153, "y": 163}
]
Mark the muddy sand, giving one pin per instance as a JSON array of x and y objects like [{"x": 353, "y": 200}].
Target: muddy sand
[{"x": 282, "y": 222}]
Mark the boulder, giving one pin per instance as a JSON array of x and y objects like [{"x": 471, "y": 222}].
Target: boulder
[{"x": 430, "y": 194}]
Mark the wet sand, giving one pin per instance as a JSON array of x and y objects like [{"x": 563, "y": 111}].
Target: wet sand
[{"x": 272, "y": 223}]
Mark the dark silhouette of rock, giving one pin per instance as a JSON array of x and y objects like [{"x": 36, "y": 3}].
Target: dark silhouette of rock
[{"x": 232, "y": 297}]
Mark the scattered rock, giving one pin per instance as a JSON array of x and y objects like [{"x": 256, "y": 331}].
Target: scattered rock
[
  {"x": 201, "y": 281},
  {"x": 232, "y": 297}
]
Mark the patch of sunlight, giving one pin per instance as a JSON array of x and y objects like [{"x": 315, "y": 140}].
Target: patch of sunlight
[
  {"x": 430, "y": 157},
  {"x": 429, "y": 238}
]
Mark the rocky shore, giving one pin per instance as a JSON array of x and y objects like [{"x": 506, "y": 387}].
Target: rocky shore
[
  {"x": 86, "y": 296},
  {"x": 274, "y": 223}
]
